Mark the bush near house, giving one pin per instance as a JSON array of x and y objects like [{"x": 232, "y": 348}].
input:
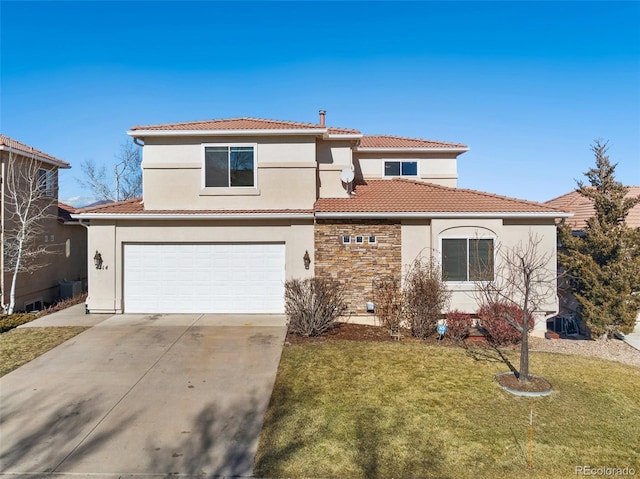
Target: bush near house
[
  {"x": 458, "y": 324},
  {"x": 388, "y": 301},
  {"x": 313, "y": 305},
  {"x": 492, "y": 319},
  {"x": 426, "y": 296}
]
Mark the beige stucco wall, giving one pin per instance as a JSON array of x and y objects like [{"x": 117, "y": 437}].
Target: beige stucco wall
[
  {"x": 507, "y": 234},
  {"x": 173, "y": 174},
  {"x": 65, "y": 259},
  {"x": 333, "y": 157},
  {"x": 106, "y": 285},
  {"x": 438, "y": 168}
]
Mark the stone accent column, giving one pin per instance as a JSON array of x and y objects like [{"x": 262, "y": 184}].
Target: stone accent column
[{"x": 356, "y": 265}]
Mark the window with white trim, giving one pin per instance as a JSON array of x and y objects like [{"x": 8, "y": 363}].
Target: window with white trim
[
  {"x": 467, "y": 259},
  {"x": 47, "y": 182},
  {"x": 400, "y": 168},
  {"x": 346, "y": 239},
  {"x": 359, "y": 239},
  {"x": 229, "y": 166}
]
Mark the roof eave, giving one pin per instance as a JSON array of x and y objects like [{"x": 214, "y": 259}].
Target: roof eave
[
  {"x": 407, "y": 149},
  {"x": 59, "y": 163},
  {"x": 188, "y": 216},
  {"x": 442, "y": 215},
  {"x": 243, "y": 132}
]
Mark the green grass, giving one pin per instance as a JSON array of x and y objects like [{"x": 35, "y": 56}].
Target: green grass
[
  {"x": 358, "y": 409},
  {"x": 19, "y": 346}
]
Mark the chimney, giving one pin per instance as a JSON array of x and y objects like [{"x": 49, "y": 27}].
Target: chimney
[{"x": 322, "y": 114}]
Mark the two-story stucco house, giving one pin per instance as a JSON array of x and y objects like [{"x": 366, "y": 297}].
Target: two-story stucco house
[
  {"x": 232, "y": 207},
  {"x": 65, "y": 265}
]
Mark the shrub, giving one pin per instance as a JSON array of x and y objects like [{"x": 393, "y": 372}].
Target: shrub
[
  {"x": 458, "y": 324},
  {"x": 492, "y": 319},
  {"x": 11, "y": 321},
  {"x": 426, "y": 296},
  {"x": 388, "y": 301},
  {"x": 313, "y": 305},
  {"x": 63, "y": 304}
]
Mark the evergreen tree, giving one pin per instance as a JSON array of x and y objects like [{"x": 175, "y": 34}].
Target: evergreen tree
[{"x": 604, "y": 260}]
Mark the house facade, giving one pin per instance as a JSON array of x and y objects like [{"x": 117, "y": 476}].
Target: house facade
[
  {"x": 62, "y": 271},
  {"x": 232, "y": 208}
]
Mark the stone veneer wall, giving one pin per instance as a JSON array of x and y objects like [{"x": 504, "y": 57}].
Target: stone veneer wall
[{"x": 357, "y": 265}]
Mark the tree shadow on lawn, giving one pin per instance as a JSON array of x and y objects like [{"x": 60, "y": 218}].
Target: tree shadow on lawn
[{"x": 489, "y": 353}]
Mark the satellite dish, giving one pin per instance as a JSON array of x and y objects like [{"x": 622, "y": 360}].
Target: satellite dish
[{"x": 347, "y": 175}]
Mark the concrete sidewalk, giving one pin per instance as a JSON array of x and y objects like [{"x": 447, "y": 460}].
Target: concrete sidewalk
[
  {"x": 142, "y": 396},
  {"x": 72, "y": 316}
]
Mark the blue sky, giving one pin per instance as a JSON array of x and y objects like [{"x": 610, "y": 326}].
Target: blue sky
[{"x": 527, "y": 85}]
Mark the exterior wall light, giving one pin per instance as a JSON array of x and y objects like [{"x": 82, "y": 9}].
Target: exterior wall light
[
  {"x": 307, "y": 260},
  {"x": 97, "y": 260}
]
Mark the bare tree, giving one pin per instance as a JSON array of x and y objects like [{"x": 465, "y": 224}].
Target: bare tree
[
  {"x": 29, "y": 203},
  {"x": 524, "y": 281},
  {"x": 124, "y": 183}
]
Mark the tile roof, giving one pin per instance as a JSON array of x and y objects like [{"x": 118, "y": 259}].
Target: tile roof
[
  {"x": 15, "y": 145},
  {"x": 243, "y": 124},
  {"x": 65, "y": 211},
  {"x": 583, "y": 209},
  {"x": 136, "y": 206},
  {"x": 408, "y": 196},
  {"x": 388, "y": 141}
]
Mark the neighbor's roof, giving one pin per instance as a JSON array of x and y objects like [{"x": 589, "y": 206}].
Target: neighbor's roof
[
  {"x": 64, "y": 213},
  {"x": 401, "y": 197},
  {"x": 14, "y": 146},
  {"x": 240, "y": 124},
  {"x": 583, "y": 209},
  {"x": 388, "y": 141}
]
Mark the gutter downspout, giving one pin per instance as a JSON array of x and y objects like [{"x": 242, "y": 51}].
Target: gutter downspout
[{"x": 82, "y": 222}]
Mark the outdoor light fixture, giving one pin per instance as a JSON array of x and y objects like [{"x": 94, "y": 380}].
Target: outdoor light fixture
[
  {"x": 307, "y": 260},
  {"x": 97, "y": 260}
]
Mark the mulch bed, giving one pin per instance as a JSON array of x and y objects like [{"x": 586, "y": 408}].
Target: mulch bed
[
  {"x": 364, "y": 332},
  {"x": 535, "y": 383}
]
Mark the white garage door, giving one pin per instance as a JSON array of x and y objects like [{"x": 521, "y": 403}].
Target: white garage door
[{"x": 204, "y": 278}]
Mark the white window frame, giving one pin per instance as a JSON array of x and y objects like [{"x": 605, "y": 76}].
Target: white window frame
[
  {"x": 359, "y": 239},
  {"x": 375, "y": 240},
  {"x": 467, "y": 238},
  {"x": 230, "y": 145},
  {"x": 47, "y": 185},
  {"x": 345, "y": 239},
  {"x": 417, "y": 175}
]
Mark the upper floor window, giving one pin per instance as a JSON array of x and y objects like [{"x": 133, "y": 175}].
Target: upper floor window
[
  {"x": 46, "y": 182},
  {"x": 467, "y": 259},
  {"x": 229, "y": 166},
  {"x": 400, "y": 168}
]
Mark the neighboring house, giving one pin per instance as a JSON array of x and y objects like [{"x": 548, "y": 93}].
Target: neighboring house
[
  {"x": 231, "y": 209},
  {"x": 65, "y": 267},
  {"x": 582, "y": 208}
]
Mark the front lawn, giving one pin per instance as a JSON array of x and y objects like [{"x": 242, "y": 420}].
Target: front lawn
[
  {"x": 19, "y": 346},
  {"x": 411, "y": 410}
]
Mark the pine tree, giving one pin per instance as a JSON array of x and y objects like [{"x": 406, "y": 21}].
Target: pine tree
[{"x": 604, "y": 261}]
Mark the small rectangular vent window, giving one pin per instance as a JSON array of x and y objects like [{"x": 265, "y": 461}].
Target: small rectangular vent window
[
  {"x": 359, "y": 239},
  {"x": 372, "y": 239},
  {"x": 346, "y": 240}
]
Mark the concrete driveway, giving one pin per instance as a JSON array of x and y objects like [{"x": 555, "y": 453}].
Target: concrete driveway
[{"x": 143, "y": 396}]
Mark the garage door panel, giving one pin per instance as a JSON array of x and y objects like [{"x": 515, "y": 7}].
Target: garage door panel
[{"x": 204, "y": 278}]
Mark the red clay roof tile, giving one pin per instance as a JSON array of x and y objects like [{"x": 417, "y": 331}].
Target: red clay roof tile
[
  {"x": 388, "y": 141},
  {"x": 583, "y": 209},
  {"x": 407, "y": 196},
  {"x": 243, "y": 124},
  {"x": 30, "y": 151}
]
